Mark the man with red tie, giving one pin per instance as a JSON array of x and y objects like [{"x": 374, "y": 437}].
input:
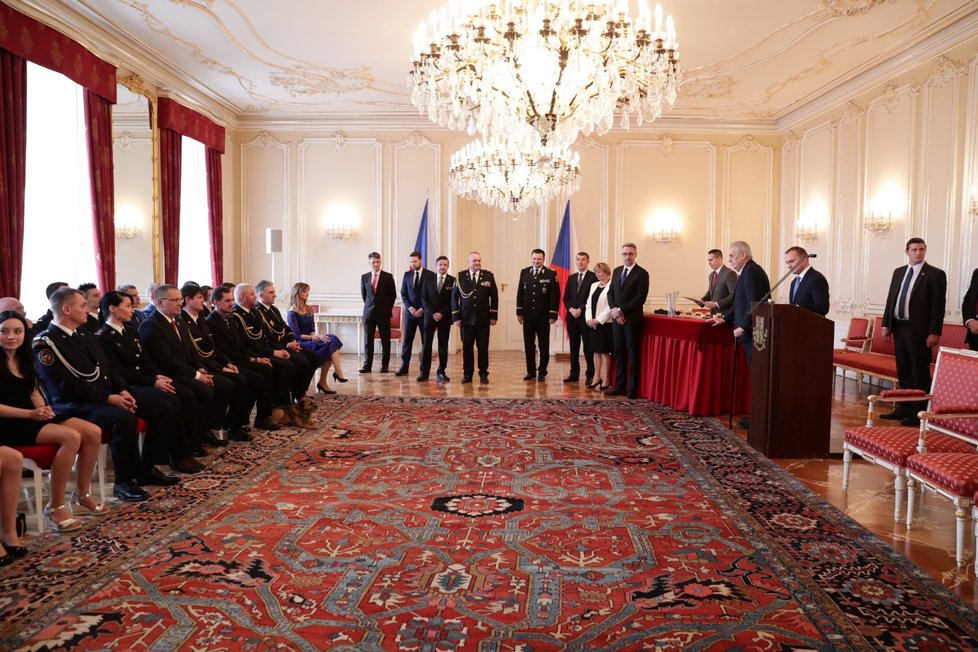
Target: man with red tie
[
  {"x": 969, "y": 312},
  {"x": 720, "y": 284},
  {"x": 379, "y": 293},
  {"x": 575, "y": 300}
]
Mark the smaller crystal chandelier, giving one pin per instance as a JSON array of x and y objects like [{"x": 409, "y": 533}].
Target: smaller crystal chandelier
[
  {"x": 878, "y": 222},
  {"x": 339, "y": 231},
  {"x": 806, "y": 230},
  {"x": 513, "y": 177}
]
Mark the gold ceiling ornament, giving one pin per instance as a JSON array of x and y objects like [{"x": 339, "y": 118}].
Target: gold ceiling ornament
[
  {"x": 513, "y": 176},
  {"x": 543, "y": 70}
]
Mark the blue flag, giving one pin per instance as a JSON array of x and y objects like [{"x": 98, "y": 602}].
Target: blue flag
[
  {"x": 422, "y": 242},
  {"x": 562, "y": 256}
]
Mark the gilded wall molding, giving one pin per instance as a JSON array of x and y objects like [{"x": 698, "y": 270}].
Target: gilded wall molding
[
  {"x": 749, "y": 145},
  {"x": 852, "y": 115},
  {"x": 947, "y": 71}
]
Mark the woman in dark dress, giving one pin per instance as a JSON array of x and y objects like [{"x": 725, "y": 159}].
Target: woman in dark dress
[
  {"x": 326, "y": 347},
  {"x": 25, "y": 420},
  {"x": 597, "y": 316}
]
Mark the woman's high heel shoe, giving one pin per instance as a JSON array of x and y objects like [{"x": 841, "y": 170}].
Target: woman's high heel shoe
[
  {"x": 16, "y": 552},
  {"x": 595, "y": 385},
  {"x": 77, "y": 507},
  {"x": 324, "y": 390},
  {"x": 338, "y": 379},
  {"x": 7, "y": 559},
  {"x": 69, "y": 524}
]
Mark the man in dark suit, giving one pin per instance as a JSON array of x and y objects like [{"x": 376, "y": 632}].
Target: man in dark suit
[
  {"x": 537, "y": 303},
  {"x": 412, "y": 287},
  {"x": 626, "y": 298},
  {"x": 379, "y": 293},
  {"x": 230, "y": 340},
  {"x": 475, "y": 308},
  {"x": 720, "y": 284},
  {"x": 151, "y": 305},
  {"x": 809, "y": 289},
  {"x": 130, "y": 291},
  {"x": 249, "y": 324},
  {"x": 92, "y": 297},
  {"x": 752, "y": 285},
  {"x": 41, "y": 323},
  {"x": 79, "y": 383},
  {"x": 575, "y": 300},
  {"x": 167, "y": 342},
  {"x": 280, "y": 336},
  {"x": 436, "y": 299},
  {"x": 914, "y": 318},
  {"x": 969, "y": 312}
]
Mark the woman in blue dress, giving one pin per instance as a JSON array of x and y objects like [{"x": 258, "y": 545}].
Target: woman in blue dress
[{"x": 326, "y": 347}]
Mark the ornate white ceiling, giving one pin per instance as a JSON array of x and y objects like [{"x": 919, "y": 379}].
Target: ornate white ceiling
[{"x": 748, "y": 61}]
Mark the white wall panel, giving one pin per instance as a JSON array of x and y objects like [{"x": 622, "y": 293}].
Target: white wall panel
[{"x": 264, "y": 205}]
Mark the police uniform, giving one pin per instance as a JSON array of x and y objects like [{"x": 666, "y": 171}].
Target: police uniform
[
  {"x": 229, "y": 338},
  {"x": 79, "y": 383},
  {"x": 537, "y": 302},
  {"x": 280, "y": 336},
  {"x": 475, "y": 303},
  {"x": 249, "y": 322}
]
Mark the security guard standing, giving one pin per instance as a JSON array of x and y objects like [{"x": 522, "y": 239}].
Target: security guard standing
[
  {"x": 475, "y": 307},
  {"x": 537, "y": 302}
]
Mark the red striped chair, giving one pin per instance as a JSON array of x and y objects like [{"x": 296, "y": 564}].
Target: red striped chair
[{"x": 856, "y": 341}]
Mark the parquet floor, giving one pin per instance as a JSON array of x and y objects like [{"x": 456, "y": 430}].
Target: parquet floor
[{"x": 869, "y": 499}]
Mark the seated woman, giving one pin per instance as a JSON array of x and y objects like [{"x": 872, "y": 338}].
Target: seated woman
[
  {"x": 11, "y": 466},
  {"x": 25, "y": 420},
  {"x": 327, "y": 348},
  {"x": 597, "y": 316}
]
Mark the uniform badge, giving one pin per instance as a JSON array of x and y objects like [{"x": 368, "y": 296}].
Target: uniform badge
[{"x": 46, "y": 357}]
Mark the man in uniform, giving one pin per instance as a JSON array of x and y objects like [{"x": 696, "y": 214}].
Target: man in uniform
[
  {"x": 575, "y": 301},
  {"x": 42, "y": 322},
  {"x": 475, "y": 308},
  {"x": 92, "y": 297},
  {"x": 412, "y": 286},
  {"x": 72, "y": 368},
  {"x": 537, "y": 303},
  {"x": 280, "y": 336},
  {"x": 250, "y": 324},
  {"x": 378, "y": 292},
  {"x": 436, "y": 299}
]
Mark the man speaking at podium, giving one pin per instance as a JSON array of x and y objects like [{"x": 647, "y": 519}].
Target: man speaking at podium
[{"x": 809, "y": 289}]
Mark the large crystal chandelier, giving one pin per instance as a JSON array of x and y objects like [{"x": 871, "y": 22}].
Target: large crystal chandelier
[
  {"x": 513, "y": 176},
  {"x": 543, "y": 70}
]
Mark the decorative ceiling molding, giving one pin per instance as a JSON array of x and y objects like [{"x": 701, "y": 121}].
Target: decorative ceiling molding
[
  {"x": 852, "y": 115},
  {"x": 124, "y": 141},
  {"x": 265, "y": 141},
  {"x": 947, "y": 71},
  {"x": 667, "y": 143},
  {"x": 791, "y": 142},
  {"x": 416, "y": 140},
  {"x": 749, "y": 145}
]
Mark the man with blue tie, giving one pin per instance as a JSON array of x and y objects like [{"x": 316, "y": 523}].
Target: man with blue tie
[
  {"x": 411, "y": 290},
  {"x": 914, "y": 319},
  {"x": 809, "y": 289},
  {"x": 626, "y": 298}
]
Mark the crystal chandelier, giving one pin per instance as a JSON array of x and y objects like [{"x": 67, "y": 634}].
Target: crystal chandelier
[
  {"x": 543, "y": 70},
  {"x": 513, "y": 177}
]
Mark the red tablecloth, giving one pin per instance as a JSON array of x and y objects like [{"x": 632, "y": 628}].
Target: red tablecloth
[{"x": 687, "y": 364}]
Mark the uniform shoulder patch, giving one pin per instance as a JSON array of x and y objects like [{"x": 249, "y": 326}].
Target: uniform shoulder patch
[{"x": 45, "y": 357}]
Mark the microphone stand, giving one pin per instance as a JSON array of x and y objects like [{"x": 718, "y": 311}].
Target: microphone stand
[{"x": 764, "y": 299}]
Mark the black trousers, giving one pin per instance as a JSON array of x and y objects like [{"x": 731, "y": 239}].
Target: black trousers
[
  {"x": 475, "y": 336},
  {"x": 124, "y": 442},
  {"x": 165, "y": 433},
  {"x": 412, "y": 325},
  {"x": 577, "y": 332},
  {"x": 261, "y": 379},
  {"x": 912, "y": 361},
  {"x": 371, "y": 326},
  {"x": 245, "y": 387},
  {"x": 628, "y": 337},
  {"x": 536, "y": 333},
  {"x": 443, "y": 329},
  {"x": 199, "y": 407},
  {"x": 304, "y": 364}
]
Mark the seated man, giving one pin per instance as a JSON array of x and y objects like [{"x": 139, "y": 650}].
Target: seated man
[
  {"x": 167, "y": 342},
  {"x": 247, "y": 383},
  {"x": 280, "y": 336},
  {"x": 130, "y": 291},
  {"x": 79, "y": 383},
  {"x": 231, "y": 341},
  {"x": 92, "y": 298},
  {"x": 41, "y": 323},
  {"x": 253, "y": 329}
]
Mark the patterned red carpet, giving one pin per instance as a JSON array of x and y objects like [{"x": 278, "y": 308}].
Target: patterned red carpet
[{"x": 497, "y": 525}]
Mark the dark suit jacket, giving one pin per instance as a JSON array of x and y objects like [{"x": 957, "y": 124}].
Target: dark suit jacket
[
  {"x": 969, "y": 308},
  {"x": 171, "y": 354},
  {"x": 251, "y": 326},
  {"x": 229, "y": 339},
  {"x": 124, "y": 352},
  {"x": 631, "y": 296},
  {"x": 378, "y": 305},
  {"x": 203, "y": 342},
  {"x": 64, "y": 390},
  {"x": 928, "y": 301},
  {"x": 575, "y": 295},
  {"x": 752, "y": 285},
  {"x": 276, "y": 329},
  {"x": 409, "y": 297},
  {"x": 434, "y": 301},
  {"x": 474, "y": 305},
  {"x": 813, "y": 292},
  {"x": 723, "y": 288}
]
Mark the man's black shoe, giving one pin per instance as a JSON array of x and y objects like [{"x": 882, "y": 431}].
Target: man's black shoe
[
  {"x": 365, "y": 369},
  {"x": 198, "y": 452},
  {"x": 484, "y": 379},
  {"x": 186, "y": 465},
  {"x": 129, "y": 492},
  {"x": 266, "y": 424},
  {"x": 156, "y": 477},
  {"x": 588, "y": 380},
  {"x": 542, "y": 377},
  {"x": 237, "y": 434},
  {"x": 615, "y": 392},
  {"x": 209, "y": 439},
  {"x": 911, "y": 421},
  {"x": 466, "y": 379},
  {"x": 443, "y": 377},
  {"x": 572, "y": 379},
  {"x": 532, "y": 375},
  {"x": 401, "y": 372},
  {"x": 422, "y": 378},
  {"x": 246, "y": 429},
  {"x": 385, "y": 370},
  {"x": 896, "y": 415}
]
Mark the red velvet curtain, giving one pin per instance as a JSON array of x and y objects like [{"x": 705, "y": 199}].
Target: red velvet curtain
[
  {"x": 170, "y": 159},
  {"x": 215, "y": 213},
  {"x": 13, "y": 153},
  {"x": 98, "y": 123}
]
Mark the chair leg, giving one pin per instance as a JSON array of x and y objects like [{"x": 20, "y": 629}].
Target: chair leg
[
  {"x": 959, "y": 517},
  {"x": 846, "y": 463},
  {"x": 101, "y": 471},
  {"x": 39, "y": 499},
  {"x": 910, "y": 491},
  {"x": 899, "y": 482}
]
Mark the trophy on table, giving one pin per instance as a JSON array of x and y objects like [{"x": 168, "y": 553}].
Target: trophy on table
[{"x": 671, "y": 302}]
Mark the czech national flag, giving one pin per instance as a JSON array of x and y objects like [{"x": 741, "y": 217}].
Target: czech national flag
[
  {"x": 562, "y": 260},
  {"x": 422, "y": 243}
]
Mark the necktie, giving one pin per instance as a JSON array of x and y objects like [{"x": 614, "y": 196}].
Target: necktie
[
  {"x": 794, "y": 288},
  {"x": 901, "y": 302},
  {"x": 624, "y": 273},
  {"x": 417, "y": 278},
  {"x": 580, "y": 280},
  {"x": 476, "y": 281},
  {"x": 176, "y": 331},
  {"x": 713, "y": 280},
  {"x": 441, "y": 281},
  {"x": 373, "y": 283}
]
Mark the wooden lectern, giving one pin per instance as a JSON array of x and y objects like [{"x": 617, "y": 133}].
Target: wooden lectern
[{"x": 791, "y": 382}]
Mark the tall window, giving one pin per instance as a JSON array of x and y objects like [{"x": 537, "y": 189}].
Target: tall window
[
  {"x": 58, "y": 241},
  {"x": 195, "y": 244}
]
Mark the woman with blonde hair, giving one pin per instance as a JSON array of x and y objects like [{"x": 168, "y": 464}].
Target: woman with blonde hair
[
  {"x": 326, "y": 347},
  {"x": 597, "y": 316}
]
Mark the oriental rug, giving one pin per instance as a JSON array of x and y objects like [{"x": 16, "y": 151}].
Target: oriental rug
[{"x": 435, "y": 525}]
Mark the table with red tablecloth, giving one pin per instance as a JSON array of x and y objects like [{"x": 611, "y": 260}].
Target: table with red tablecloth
[{"x": 687, "y": 363}]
